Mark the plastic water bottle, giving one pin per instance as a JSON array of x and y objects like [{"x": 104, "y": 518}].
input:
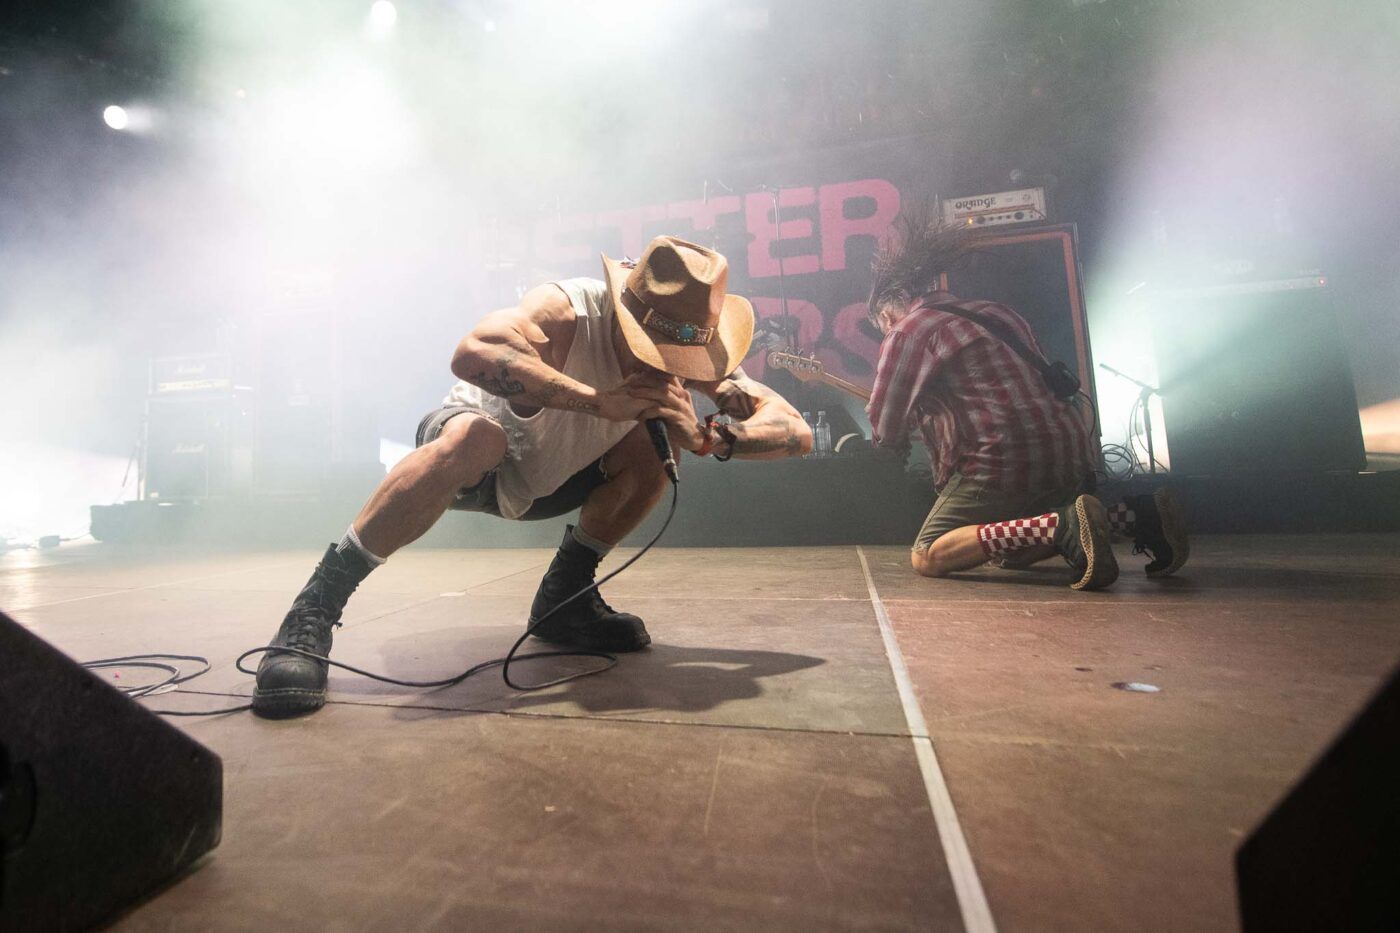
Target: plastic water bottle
[
  {"x": 807, "y": 417},
  {"x": 821, "y": 436}
]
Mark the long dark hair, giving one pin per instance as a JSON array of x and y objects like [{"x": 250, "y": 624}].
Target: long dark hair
[{"x": 921, "y": 247}]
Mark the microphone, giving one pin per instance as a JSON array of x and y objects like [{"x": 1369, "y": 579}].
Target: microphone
[{"x": 656, "y": 428}]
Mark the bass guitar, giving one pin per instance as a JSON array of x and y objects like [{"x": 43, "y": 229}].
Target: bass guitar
[{"x": 810, "y": 369}]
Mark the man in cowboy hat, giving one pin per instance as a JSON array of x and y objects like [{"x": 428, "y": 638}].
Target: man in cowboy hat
[{"x": 548, "y": 418}]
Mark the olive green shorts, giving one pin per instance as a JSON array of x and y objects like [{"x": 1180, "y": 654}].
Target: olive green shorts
[{"x": 964, "y": 501}]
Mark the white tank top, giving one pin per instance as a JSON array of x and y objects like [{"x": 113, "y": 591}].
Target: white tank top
[{"x": 551, "y": 445}]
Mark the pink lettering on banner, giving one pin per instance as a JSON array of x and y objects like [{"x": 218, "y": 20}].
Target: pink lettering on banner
[
  {"x": 758, "y": 215},
  {"x": 837, "y": 228},
  {"x": 703, "y": 215},
  {"x": 808, "y": 318},
  {"x": 631, "y": 222},
  {"x": 556, "y": 239},
  {"x": 845, "y": 329}
]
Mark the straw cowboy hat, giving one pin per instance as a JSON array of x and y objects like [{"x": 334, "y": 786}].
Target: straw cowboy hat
[{"x": 675, "y": 314}]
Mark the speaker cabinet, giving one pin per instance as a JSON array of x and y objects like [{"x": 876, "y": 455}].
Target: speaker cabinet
[
  {"x": 197, "y": 446},
  {"x": 1254, "y": 378},
  {"x": 101, "y": 801},
  {"x": 309, "y": 422},
  {"x": 1328, "y": 856},
  {"x": 1034, "y": 272}
]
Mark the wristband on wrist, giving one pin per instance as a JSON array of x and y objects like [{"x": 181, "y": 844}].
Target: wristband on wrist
[
  {"x": 727, "y": 437},
  {"x": 708, "y": 444}
]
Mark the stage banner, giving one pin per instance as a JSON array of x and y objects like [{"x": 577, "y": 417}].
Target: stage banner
[{"x": 799, "y": 234}]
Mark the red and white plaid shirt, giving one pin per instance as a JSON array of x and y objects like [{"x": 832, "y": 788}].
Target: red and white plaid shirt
[{"x": 984, "y": 412}]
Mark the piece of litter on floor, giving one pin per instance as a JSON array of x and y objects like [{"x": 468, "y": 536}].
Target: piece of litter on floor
[
  {"x": 1137, "y": 688},
  {"x": 1083, "y": 668},
  {"x": 454, "y": 593},
  {"x": 550, "y": 809}
]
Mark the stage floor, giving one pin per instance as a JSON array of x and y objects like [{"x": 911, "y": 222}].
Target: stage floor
[{"x": 763, "y": 765}]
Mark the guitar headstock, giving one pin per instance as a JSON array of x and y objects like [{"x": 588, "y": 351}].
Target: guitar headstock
[{"x": 806, "y": 368}]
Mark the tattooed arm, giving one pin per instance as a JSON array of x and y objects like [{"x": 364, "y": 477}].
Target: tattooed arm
[
  {"x": 518, "y": 353},
  {"x": 765, "y": 426}
]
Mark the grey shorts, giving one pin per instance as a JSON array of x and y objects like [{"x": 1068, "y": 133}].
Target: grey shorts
[
  {"x": 964, "y": 501},
  {"x": 482, "y": 496}
]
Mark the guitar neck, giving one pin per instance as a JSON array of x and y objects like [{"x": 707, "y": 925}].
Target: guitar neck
[{"x": 836, "y": 382}]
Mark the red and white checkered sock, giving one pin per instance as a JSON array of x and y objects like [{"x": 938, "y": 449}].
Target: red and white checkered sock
[
  {"x": 1122, "y": 520},
  {"x": 999, "y": 537}
]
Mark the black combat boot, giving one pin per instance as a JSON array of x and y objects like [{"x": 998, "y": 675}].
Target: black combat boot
[
  {"x": 1081, "y": 537},
  {"x": 1160, "y": 531},
  {"x": 289, "y": 684},
  {"x": 587, "y": 622}
]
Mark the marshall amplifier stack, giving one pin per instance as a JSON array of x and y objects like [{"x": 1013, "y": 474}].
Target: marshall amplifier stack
[
  {"x": 296, "y": 364},
  {"x": 182, "y": 375},
  {"x": 199, "y": 430},
  {"x": 273, "y": 420}
]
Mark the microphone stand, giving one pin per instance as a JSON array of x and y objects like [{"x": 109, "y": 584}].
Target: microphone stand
[
  {"x": 773, "y": 190},
  {"x": 1145, "y": 398},
  {"x": 790, "y": 332}
]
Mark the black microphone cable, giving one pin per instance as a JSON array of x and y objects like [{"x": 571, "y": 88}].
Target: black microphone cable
[
  {"x": 511, "y": 656},
  {"x": 173, "y": 679},
  {"x": 656, "y": 429}
]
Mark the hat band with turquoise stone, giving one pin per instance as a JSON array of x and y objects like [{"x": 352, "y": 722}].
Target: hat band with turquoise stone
[{"x": 679, "y": 331}]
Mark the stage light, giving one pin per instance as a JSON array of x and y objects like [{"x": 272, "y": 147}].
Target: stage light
[
  {"x": 489, "y": 25},
  {"x": 383, "y": 15},
  {"x": 115, "y": 117},
  {"x": 135, "y": 118}
]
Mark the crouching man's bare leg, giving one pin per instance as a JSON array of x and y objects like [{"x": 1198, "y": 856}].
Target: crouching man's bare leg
[
  {"x": 634, "y": 483},
  {"x": 422, "y": 485},
  {"x": 413, "y": 495}
]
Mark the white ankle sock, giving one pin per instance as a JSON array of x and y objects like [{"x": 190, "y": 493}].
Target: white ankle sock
[
  {"x": 351, "y": 542},
  {"x": 601, "y": 548}
]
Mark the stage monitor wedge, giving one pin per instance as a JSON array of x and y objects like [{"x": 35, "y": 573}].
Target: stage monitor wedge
[
  {"x": 1328, "y": 856},
  {"x": 101, "y": 802}
]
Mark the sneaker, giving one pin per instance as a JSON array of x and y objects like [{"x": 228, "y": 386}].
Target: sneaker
[
  {"x": 1160, "y": 532},
  {"x": 588, "y": 622},
  {"x": 1082, "y": 538},
  {"x": 292, "y": 684},
  {"x": 1022, "y": 559}
]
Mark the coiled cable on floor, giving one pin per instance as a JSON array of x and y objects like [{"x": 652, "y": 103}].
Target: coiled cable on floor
[
  {"x": 503, "y": 663},
  {"x": 173, "y": 679}
]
